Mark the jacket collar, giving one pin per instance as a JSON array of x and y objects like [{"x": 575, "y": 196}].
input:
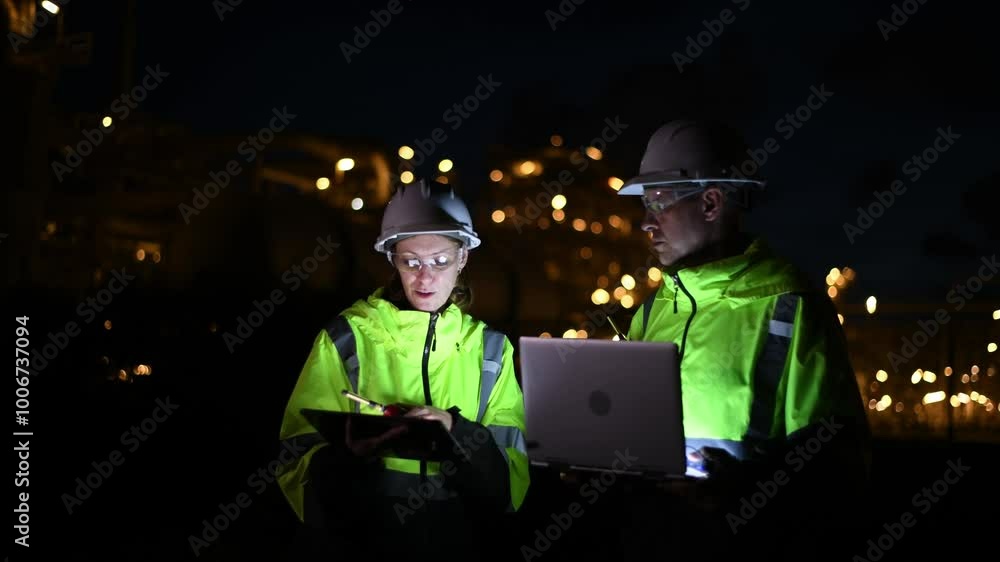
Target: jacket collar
[
  {"x": 754, "y": 273},
  {"x": 405, "y": 332}
]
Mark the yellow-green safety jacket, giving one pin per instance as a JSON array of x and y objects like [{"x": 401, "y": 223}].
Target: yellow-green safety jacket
[
  {"x": 762, "y": 357},
  {"x": 446, "y": 359}
]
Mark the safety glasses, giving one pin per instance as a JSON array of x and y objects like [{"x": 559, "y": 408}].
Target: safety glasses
[
  {"x": 659, "y": 200},
  {"x": 412, "y": 263}
]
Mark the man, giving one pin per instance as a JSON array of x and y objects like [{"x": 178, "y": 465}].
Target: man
[{"x": 772, "y": 412}]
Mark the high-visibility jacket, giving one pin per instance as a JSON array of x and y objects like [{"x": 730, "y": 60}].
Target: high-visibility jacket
[
  {"x": 762, "y": 356},
  {"x": 446, "y": 359}
]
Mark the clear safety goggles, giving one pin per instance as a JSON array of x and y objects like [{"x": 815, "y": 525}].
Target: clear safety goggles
[
  {"x": 657, "y": 200},
  {"x": 408, "y": 262}
]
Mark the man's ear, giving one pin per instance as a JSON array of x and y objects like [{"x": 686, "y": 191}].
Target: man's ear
[
  {"x": 712, "y": 202},
  {"x": 464, "y": 258}
]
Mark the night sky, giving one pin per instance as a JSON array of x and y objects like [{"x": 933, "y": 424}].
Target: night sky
[{"x": 615, "y": 58}]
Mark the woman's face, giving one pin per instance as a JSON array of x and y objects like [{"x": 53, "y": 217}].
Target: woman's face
[{"x": 428, "y": 267}]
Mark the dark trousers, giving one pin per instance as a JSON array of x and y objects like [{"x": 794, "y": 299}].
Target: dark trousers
[{"x": 635, "y": 520}]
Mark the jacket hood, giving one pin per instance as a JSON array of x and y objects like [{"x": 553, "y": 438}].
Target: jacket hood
[
  {"x": 405, "y": 331},
  {"x": 755, "y": 274}
]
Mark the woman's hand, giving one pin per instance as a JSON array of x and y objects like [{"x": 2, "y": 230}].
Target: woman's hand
[{"x": 431, "y": 413}]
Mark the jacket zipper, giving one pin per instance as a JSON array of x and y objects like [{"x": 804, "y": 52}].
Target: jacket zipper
[
  {"x": 429, "y": 343},
  {"x": 694, "y": 309}
]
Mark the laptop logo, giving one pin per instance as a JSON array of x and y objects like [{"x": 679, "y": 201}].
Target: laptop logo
[{"x": 600, "y": 403}]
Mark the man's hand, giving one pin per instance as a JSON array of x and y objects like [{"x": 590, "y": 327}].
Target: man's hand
[
  {"x": 720, "y": 464},
  {"x": 725, "y": 474},
  {"x": 431, "y": 413}
]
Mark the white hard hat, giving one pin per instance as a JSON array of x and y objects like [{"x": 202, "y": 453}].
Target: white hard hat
[
  {"x": 684, "y": 152},
  {"x": 423, "y": 208}
]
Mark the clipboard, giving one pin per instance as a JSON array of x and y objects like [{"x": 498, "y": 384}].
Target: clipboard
[{"x": 426, "y": 440}]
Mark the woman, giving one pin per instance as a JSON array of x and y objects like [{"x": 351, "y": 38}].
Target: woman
[{"x": 412, "y": 343}]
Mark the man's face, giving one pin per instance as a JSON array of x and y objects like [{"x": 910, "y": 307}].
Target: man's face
[{"x": 678, "y": 230}]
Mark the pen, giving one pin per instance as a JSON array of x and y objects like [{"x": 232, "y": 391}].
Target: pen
[
  {"x": 621, "y": 336},
  {"x": 362, "y": 400},
  {"x": 390, "y": 410}
]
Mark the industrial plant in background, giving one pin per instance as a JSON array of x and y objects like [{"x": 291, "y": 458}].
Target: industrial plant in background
[{"x": 112, "y": 188}]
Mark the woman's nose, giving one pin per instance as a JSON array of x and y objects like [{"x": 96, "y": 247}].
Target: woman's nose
[{"x": 424, "y": 273}]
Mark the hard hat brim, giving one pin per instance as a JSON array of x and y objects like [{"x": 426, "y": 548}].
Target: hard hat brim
[
  {"x": 469, "y": 238},
  {"x": 638, "y": 184}
]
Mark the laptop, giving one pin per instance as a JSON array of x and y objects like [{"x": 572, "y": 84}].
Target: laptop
[{"x": 603, "y": 405}]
